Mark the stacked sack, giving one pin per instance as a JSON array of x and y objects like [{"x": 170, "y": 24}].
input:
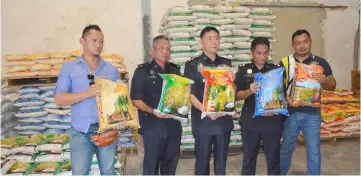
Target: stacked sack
[
  {"x": 340, "y": 112},
  {"x": 177, "y": 25},
  {"x": 40, "y": 154},
  {"x": 236, "y": 138},
  {"x": 47, "y": 64},
  {"x": 38, "y": 112},
  {"x": 127, "y": 139},
  {"x": 8, "y": 111},
  {"x": 237, "y": 27},
  {"x": 187, "y": 140}
]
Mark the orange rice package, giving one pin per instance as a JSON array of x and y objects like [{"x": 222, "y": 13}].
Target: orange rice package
[
  {"x": 306, "y": 90},
  {"x": 218, "y": 91},
  {"x": 114, "y": 105}
]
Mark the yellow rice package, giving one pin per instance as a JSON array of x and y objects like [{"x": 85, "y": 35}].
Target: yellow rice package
[
  {"x": 175, "y": 99},
  {"x": 114, "y": 105},
  {"x": 219, "y": 94}
]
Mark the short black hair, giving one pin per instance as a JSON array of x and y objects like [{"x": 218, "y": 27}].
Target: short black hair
[
  {"x": 260, "y": 41},
  {"x": 160, "y": 37},
  {"x": 90, "y": 27},
  {"x": 208, "y": 29},
  {"x": 300, "y": 32}
]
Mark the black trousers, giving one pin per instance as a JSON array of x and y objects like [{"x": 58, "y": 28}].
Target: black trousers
[
  {"x": 251, "y": 145},
  {"x": 203, "y": 146},
  {"x": 160, "y": 154}
]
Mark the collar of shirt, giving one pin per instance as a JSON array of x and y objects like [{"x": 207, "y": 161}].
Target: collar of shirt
[
  {"x": 82, "y": 61},
  {"x": 309, "y": 58},
  {"x": 263, "y": 69},
  {"x": 206, "y": 59},
  {"x": 155, "y": 66}
]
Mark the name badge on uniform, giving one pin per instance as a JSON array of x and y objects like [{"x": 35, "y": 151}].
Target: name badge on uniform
[
  {"x": 249, "y": 73},
  {"x": 152, "y": 74}
]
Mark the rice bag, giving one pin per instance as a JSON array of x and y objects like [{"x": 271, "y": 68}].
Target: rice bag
[
  {"x": 48, "y": 157},
  {"x": 30, "y": 120},
  {"x": 12, "y": 141},
  {"x": 49, "y": 99},
  {"x": 54, "y": 106},
  {"x": 31, "y": 113},
  {"x": 45, "y": 88},
  {"x": 306, "y": 90},
  {"x": 47, "y": 167},
  {"x": 6, "y": 166},
  {"x": 270, "y": 98},
  {"x": 66, "y": 119},
  {"x": 47, "y": 93},
  {"x": 29, "y": 95},
  {"x": 51, "y": 118},
  {"x": 114, "y": 105},
  {"x": 31, "y": 102},
  {"x": 34, "y": 140},
  {"x": 30, "y": 108},
  {"x": 26, "y": 150},
  {"x": 53, "y": 131},
  {"x": 30, "y": 126},
  {"x": 29, "y": 90},
  {"x": 54, "y": 148},
  {"x": 218, "y": 92},
  {"x": 19, "y": 167},
  {"x": 29, "y": 132},
  {"x": 175, "y": 98},
  {"x": 126, "y": 132},
  {"x": 131, "y": 143},
  {"x": 61, "y": 112},
  {"x": 57, "y": 125}
]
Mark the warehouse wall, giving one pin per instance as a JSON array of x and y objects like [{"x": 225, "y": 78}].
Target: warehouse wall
[
  {"x": 47, "y": 26},
  {"x": 41, "y": 25}
]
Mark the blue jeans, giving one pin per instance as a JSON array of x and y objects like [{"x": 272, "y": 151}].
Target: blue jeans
[
  {"x": 81, "y": 153},
  {"x": 310, "y": 125}
]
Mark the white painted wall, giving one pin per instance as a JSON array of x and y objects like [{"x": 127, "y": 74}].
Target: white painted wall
[{"x": 49, "y": 26}]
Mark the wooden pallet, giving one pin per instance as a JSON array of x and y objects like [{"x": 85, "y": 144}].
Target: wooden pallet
[
  {"x": 330, "y": 140},
  {"x": 29, "y": 81},
  {"x": 131, "y": 151},
  {"x": 190, "y": 153}
]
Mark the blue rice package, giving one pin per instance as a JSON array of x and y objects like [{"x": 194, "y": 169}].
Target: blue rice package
[
  {"x": 31, "y": 113},
  {"x": 31, "y": 108},
  {"x": 29, "y": 95},
  {"x": 57, "y": 125},
  {"x": 51, "y": 118},
  {"x": 45, "y": 88},
  {"x": 66, "y": 119},
  {"x": 48, "y": 93},
  {"x": 29, "y": 102},
  {"x": 29, "y": 89},
  {"x": 124, "y": 139},
  {"x": 53, "y": 131},
  {"x": 30, "y": 126},
  {"x": 270, "y": 98},
  {"x": 67, "y": 131},
  {"x": 48, "y": 99},
  {"x": 30, "y": 120},
  {"x": 131, "y": 143},
  {"x": 29, "y": 132},
  {"x": 126, "y": 132}
]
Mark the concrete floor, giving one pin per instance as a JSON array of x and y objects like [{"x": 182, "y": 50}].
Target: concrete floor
[{"x": 343, "y": 157}]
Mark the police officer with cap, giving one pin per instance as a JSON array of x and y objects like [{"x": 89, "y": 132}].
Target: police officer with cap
[
  {"x": 267, "y": 128},
  {"x": 161, "y": 134},
  {"x": 212, "y": 130}
]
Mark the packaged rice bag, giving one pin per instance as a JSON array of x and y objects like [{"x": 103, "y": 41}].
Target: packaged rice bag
[
  {"x": 31, "y": 102},
  {"x": 34, "y": 140},
  {"x": 57, "y": 125},
  {"x": 306, "y": 90},
  {"x": 53, "y": 131},
  {"x": 25, "y": 150},
  {"x": 175, "y": 99},
  {"x": 126, "y": 132},
  {"x": 48, "y": 157},
  {"x": 31, "y": 113},
  {"x": 30, "y": 126},
  {"x": 12, "y": 141},
  {"x": 19, "y": 167},
  {"x": 29, "y": 95},
  {"x": 45, "y": 88},
  {"x": 270, "y": 98},
  {"x": 65, "y": 119},
  {"x": 29, "y": 89},
  {"x": 30, "y": 120},
  {"x": 218, "y": 91},
  {"x": 29, "y": 132},
  {"x": 30, "y": 108},
  {"x": 51, "y": 118},
  {"x": 5, "y": 167},
  {"x": 46, "y": 167},
  {"x": 64, "y": 169},
  {"x": 114, "y": 105}
]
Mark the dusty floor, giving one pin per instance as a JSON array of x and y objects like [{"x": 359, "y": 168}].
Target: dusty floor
[{"x": 343, "y": 157}]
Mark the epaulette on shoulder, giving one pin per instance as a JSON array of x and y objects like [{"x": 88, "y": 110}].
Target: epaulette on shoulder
[
  {"x": 143, "y": 64},
  {"x": 174, "y": 65}
]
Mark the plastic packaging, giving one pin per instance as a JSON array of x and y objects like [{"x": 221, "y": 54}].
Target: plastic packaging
[
  {"x": 306, "y": 90},
  {"x": 218, "y": 92},
  {"x": 175, "y": 99},
  {"x": 114, "y": 105},
  {"x": 270, "y": 98},
  {"x": 47, "y": 167}
]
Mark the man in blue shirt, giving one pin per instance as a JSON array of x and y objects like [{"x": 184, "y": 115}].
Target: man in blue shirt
[{"x": 76, "y": 87}]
